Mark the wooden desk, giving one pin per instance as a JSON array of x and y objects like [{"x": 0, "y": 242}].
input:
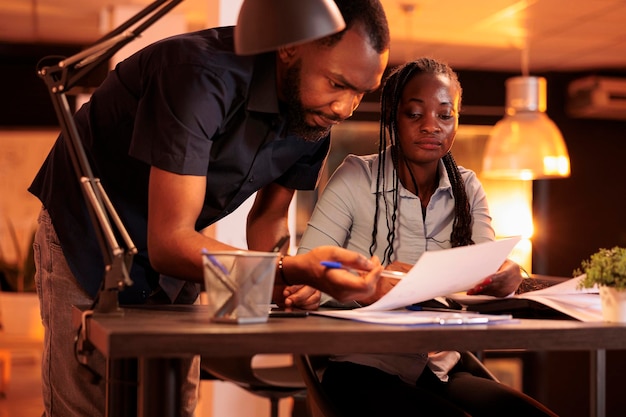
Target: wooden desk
[{"x": 157, "y": 337}]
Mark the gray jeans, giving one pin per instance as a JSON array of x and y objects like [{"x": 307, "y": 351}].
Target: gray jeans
[{"x": 69, "y": 388}]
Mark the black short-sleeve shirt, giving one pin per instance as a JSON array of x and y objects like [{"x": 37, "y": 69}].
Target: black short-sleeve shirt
[{"x": 187, "y": 104}]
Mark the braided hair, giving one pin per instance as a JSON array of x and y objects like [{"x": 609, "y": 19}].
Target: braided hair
[{"x": 390, "y": 99}]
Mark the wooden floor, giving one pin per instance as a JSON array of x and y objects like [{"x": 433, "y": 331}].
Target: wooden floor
[{"x": 23, "y": 393}]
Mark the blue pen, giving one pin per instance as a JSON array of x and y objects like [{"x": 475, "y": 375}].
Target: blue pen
[
  {"x": 385, "y": 273},
  {"x": 214, "y": 261}
]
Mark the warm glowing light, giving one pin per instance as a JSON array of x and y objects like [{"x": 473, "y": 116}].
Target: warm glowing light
[
  {"x": 526, "y": 144},
  {"x": 525, "y": 175},
  {"x": 510, "y": 206},
  {"x": 522, "y": 254},
  {"x": 556, "y": 165}
]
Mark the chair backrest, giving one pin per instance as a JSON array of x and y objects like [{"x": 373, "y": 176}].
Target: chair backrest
[
  {"x": 234, "y": 369},
  {"x": 274, "y": 382},
  {"x": 476, "y": 367},
  {"x": 240, "y": 370},
  {"x": 311, "y": 367}
]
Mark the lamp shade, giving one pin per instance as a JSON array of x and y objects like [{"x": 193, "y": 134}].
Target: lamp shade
[
  {"x": 266, "y": 25},
  {"x": 525, "y": 144}
]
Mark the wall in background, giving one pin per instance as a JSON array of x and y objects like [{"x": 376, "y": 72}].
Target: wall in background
[
  {"x": 578, "y": 215},
  {"x": 25, "y": 99},
  {"x": 22, "y": 152}
]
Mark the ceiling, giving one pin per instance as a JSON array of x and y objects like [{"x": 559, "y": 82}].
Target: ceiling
[{"x": 499, "y": 35}]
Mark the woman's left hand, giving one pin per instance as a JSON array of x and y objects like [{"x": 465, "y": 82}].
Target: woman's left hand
[{"x": 500, "y": 284}]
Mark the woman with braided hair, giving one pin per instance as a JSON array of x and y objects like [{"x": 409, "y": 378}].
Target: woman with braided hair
[{"x": 409, "y": 198}]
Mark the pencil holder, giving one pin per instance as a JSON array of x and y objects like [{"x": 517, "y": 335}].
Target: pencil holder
[{"x": 239, "y": 285}]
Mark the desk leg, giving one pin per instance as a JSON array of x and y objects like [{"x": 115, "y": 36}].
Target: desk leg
[
  {"x": 121, "y": 388},
  {"x": 159, "y": 387},
  {"x": 598, "y": 383}
]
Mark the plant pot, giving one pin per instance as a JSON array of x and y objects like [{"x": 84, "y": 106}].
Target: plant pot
[{"x": 613, "y": 304}]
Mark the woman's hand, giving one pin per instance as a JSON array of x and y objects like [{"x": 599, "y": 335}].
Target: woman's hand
[
  {"x": 502, "y": 283},
  {"x": 385, "y": 284},
  {"x": 301, "y": 296},
  {"x": 383, "y": 287},
  {"x": 399, "y": 266}
]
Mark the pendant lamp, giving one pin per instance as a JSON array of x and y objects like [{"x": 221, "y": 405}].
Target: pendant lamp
[
  {"x": 266, "y": 25},
  {"x": 525, "y": 144}
]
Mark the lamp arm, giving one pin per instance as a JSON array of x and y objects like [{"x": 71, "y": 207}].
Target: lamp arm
[{"x": 59, "y": 78}]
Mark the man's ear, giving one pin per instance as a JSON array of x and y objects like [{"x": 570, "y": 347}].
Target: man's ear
[{"x": 287, "y": 54}]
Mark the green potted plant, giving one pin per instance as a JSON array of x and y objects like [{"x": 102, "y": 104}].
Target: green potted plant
[{"x": 606, "y": 269}]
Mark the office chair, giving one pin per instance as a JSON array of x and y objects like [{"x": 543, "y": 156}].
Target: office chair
[
  {"x": 476, "y": 367},
  {"x": 317, "y": 401},
  {"x": 273, "y": 383},
  {"x": 320, "y": 405}
]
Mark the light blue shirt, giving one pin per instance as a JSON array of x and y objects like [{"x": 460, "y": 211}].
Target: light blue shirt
[{"x": 344, "y": 216}]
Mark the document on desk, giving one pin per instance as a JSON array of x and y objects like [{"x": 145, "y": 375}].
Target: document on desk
[
  {"x": 442, "y": 272},
  {"x": 436, "y": 274},
  {"x": 407, "y": 317},
  {"x": 581, "y": 304}
]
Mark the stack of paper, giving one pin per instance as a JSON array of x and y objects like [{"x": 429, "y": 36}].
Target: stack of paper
[
  {"x": 407, "y": 317},
  {"x": 436, "y": 274},
  {"x": 580, "y": 304}
]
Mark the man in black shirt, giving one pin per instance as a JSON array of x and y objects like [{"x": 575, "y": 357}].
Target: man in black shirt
[{"x": 180, "y": 134}]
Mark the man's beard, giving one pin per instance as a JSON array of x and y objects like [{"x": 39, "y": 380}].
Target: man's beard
[{"x": 296, "y": 113}]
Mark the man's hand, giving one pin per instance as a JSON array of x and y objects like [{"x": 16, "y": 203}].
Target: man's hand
[{"x": 338, "y": 283}]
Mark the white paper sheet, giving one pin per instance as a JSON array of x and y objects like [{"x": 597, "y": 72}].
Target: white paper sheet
[
  {"x": 438, "y": 273},
  {"x": 582, "y": 304},
  {"x": 405, "y": 317}
]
